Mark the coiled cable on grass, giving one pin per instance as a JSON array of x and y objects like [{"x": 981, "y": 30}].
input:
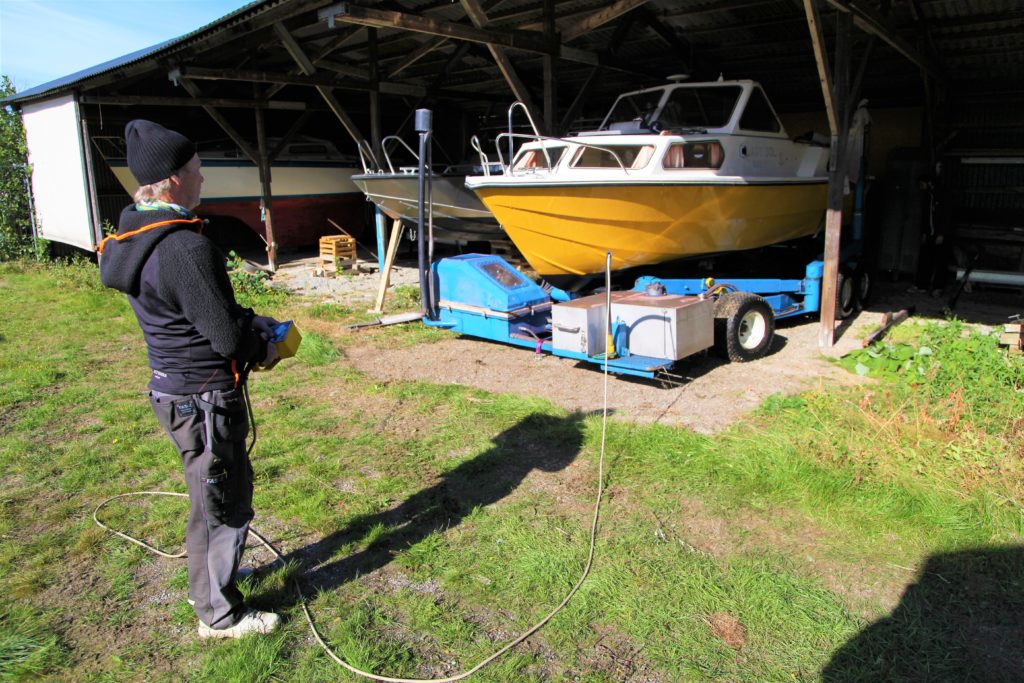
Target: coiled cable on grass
[{"x": 302, "y": 597}]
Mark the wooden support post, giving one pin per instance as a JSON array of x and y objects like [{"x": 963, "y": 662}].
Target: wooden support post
[
  {"x": 389, "y": 261},
  {"x": 836, "y": 94},
  {"x": 375, "y": 128},
  {"x": 549, "y": 68},
  {"x": 267, "y": 198}
]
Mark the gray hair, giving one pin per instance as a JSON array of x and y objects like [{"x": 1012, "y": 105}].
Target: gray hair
[{"x": 158, "y": 191}]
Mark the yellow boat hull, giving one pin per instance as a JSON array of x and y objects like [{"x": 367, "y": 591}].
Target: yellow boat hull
[{"x": 566, "y": 230}]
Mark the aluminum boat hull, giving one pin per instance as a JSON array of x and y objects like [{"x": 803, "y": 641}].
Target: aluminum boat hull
[{"x": 459, "y": 216}]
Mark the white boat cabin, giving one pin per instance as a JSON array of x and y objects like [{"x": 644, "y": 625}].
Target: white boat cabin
[{"x": 724, "y": 131}]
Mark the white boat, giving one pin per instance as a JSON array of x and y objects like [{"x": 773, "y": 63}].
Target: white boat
[
  {"x": 311, "y": 182},
  {"x": 675, "y": 171},
  {"x": 458, "y": 215}
]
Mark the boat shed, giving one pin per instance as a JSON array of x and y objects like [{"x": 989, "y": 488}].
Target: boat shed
[{"x": 943, "y": 80}]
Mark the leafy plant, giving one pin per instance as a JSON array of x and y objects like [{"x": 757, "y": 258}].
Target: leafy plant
[
  {"x": 886, "y": 359},
  {"x": 950, "y": 359},
  {"x": 15, "y": 216},
  {"x": 251, "y": 287}
]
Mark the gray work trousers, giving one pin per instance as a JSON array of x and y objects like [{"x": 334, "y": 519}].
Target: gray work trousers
[{"x": 209, "y": 431}]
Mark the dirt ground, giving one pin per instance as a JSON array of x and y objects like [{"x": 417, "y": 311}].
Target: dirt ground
[{"x": 710, "y": 395}]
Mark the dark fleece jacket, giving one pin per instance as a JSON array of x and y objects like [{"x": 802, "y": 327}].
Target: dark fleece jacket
[{"x": 178, "y": 286}]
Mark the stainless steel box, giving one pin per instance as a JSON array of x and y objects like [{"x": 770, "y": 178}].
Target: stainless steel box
[
  {"x": 669, "y": 326},
  {"x": 580, "y": 325}
]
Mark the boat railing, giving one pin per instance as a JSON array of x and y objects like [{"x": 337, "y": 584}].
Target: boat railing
[
  {"x": 544, "y": 138},
  {"x": 367, "y": 157},
  {"x": 384, "y": 150},
  {"x": 474, "y": 142}
]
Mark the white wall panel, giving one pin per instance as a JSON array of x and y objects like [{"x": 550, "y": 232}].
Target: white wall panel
[{"x": 59, "y": 184}]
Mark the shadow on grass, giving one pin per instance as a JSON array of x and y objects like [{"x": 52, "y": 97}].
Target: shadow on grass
[
  {"x": 538, "y": 441},
  {"x": 962, "y": 620}
]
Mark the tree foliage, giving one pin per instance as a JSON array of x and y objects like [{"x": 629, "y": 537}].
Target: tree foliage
[{"x": 15, "y": 219}]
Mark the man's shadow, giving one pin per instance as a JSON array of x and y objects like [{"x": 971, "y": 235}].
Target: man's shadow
[
  {"x": 961, "y": 620},
  {"x": 540, "y": 442}
]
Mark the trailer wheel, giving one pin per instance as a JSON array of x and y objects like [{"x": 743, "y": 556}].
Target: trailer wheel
[
  {"x": 863, "y": 285},
  {"x": 846, "y": 295},
  {"x": 744, "y": 325}
]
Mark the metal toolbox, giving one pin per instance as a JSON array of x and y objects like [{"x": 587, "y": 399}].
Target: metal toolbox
[
  {"x": 668, "y": 326},
  {"x": 580, "y": 325}
]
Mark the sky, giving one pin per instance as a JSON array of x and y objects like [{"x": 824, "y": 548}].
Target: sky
[{"x": 42, "y": 40}]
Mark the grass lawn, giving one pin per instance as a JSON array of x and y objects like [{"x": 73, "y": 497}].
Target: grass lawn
[{"x": 858, "y": 534}]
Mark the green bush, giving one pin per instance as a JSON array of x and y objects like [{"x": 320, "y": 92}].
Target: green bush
[
  {"x": 15, "y": 216},
  {"x": 951, "y": 361},
  {"x": 252, "y": 288}
]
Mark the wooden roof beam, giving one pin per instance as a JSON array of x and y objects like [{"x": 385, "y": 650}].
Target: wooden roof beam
[
  {"x": 600, "y": 18},
  {"x": 316, "y": 80},
  {"x": 307, "y": 67},
  {"x": 867, "y": 19},
  {"x": 682, "y": 48},
  {"x": 156, "y": 101},
  {"x": 479, "y": 18},
  {"x": 193, "y": 90},
  {"x": 418, "y": 54},
  {"x": 527, "y": 41}
]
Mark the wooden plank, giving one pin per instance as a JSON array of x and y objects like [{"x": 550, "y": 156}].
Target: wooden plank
[
  {"x": 836, "y": 180},
  {"x": 317, "y": 79},
  {"x": 867, "y": 19},
  {"x": 223, "y": 102},
  {"x": 247, "y": 150},
  {"x": 389, "y": 261},
  {"x": 821, "y": 60},
  {"x": 418, "y": 54},
  {"x": 299, "y": 55},
  {"x": 599, "y": 18},
  {"x": 267, "y": 196},
  {"x": 366, "y": 16},
  {"x": 479, "y": 18}
]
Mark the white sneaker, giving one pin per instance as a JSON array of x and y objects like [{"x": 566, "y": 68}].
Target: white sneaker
[{"x": 253, "y": 621}]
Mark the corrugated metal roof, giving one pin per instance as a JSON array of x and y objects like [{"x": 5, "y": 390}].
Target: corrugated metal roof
[{"x": 63, "y": 84}]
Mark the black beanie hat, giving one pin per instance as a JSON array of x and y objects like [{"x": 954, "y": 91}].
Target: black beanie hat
[{"x": 154, "y": 152}]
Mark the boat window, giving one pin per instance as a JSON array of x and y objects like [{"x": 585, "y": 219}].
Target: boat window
[
  {"x": 709, "y": 107},
  {"x": 631, "y": 156},
  {"x": 637, "y": 106},
  {"x": 535, "y": 158},
  {"x": 758, "y": 114},
  {"x": 703, "y": 154}
]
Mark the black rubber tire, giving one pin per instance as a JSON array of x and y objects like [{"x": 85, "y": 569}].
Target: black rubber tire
[
  {"x": 744, "y": 326},
  {"x": 846, "y": 295},
  {"x": 863, "y": 286}
]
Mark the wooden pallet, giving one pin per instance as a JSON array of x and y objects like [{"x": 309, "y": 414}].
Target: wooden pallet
[
  {"x": 1011, "y": 337},
  {"x": 338, "y": 251}
]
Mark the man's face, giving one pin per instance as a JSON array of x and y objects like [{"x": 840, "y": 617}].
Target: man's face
[{"x": 190, "y": 183}]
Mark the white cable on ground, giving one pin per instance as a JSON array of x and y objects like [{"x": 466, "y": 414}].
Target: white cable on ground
[{"x": 302, "y": 597}]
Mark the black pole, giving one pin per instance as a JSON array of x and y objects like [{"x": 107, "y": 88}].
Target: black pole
[{"x": 423, "y": 121}]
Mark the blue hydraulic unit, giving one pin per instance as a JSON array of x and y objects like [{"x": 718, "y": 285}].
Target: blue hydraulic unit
[{"x": 483, "y": 296}]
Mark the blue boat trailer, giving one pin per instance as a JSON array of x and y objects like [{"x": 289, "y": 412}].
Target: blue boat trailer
[{"x": 650, "y": 327}]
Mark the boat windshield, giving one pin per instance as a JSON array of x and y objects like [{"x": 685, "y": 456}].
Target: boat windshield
[
  {"x": 708, "y": 107},
  {"x": 535, "y": 158},
  {"x": 629, "y": 108}
]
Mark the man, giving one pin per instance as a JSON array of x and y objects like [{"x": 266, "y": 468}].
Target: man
[{"x": 201, "y": 345}]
